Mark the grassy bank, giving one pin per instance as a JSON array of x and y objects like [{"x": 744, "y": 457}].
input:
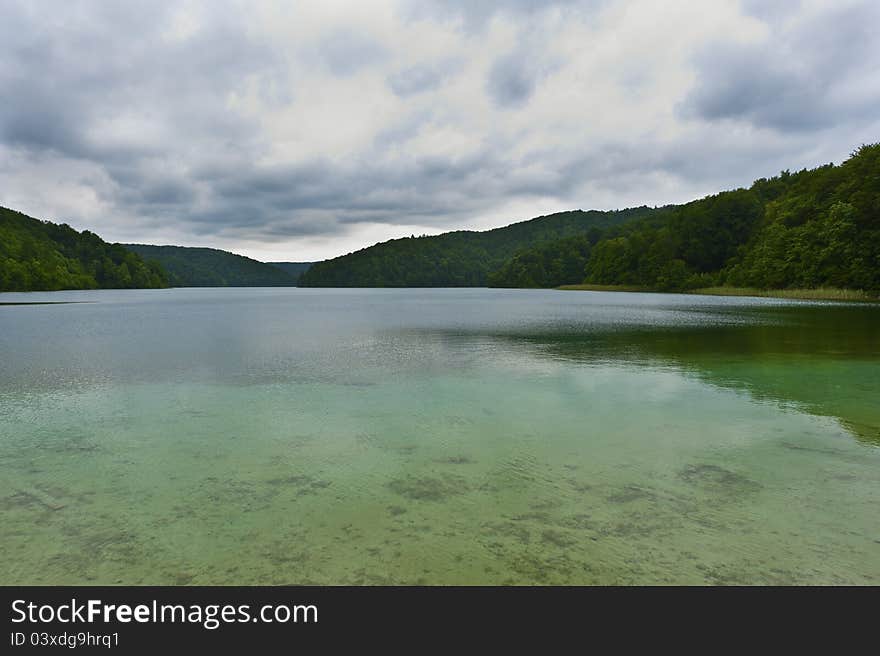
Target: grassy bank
[{"x": 819, "y": 294}]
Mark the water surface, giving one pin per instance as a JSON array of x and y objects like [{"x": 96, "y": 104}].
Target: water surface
[{"x": 274, "y": 436}]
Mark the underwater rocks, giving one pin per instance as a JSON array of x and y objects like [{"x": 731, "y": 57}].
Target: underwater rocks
[
  {"x": 717, "y": 478},
  {"x": 429, "y": 488}
]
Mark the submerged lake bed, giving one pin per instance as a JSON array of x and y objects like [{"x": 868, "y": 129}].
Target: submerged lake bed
[{"x": 437, "y": 436}]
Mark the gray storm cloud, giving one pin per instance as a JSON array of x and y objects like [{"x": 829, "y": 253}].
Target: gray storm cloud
[
  {"x": 424, "y": 77},
  {"x": 811, "y": 75},
  {"x": 511, "y": 81}
]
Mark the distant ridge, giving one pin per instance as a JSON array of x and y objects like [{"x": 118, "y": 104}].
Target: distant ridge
[
  {"x": 211, "y": 267},
  {"x": 293, "y": 269},
  {"x": 456, "y": 259}
]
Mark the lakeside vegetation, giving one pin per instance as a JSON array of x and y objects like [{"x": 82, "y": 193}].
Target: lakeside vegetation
[
  {"x": 819, "y": 294},
  {"x": 815, "y": 229},
  {"x": 43, "y": 256}
]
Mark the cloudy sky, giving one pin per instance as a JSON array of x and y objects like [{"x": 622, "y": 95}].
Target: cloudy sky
[{"x": 301, "y": 130}]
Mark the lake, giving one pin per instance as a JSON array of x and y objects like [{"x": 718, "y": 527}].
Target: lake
[{"x": 437, "y": 436}]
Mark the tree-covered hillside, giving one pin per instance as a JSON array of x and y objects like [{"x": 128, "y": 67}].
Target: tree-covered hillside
[
  {"x": 824, "y": 230},
  {"x": 209, "y": 267},
  {"x": 814, "y": 228},
  {"x": 42, "y": 256},
  {"x": 293, "y": 269},
  {"x": 454, "y": 259},
  {"x": 549, "y": 264}
]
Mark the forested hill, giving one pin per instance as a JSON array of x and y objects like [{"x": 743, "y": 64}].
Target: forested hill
[
  {"x": 293, "y": 269},
  {"x": 455, "y": 259},
  {"x": 814, "y": 228},
  {"x": 42, "y": 256},
  {"x": 210, "y": 267}
]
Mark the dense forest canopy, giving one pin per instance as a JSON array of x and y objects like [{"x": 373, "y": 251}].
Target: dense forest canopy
[
  {"x": 210, "y": 267},
  {"x": 454, "y": 259},
  {"x": 549, "y": 264},
  {"x": 814, "y": 228},
  {"x": 42, "y": 256}
]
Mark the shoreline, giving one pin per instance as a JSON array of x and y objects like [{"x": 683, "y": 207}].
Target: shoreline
[
  {"x": 818, "y": 294},
  {"x": 42, "y": 302}
]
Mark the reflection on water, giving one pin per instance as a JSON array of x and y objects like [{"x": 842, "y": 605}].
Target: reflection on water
[
  {"x": 437, "y": 436},
  {"x": 822, "y": 358}
]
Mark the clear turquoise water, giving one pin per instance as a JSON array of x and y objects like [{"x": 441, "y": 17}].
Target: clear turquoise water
[{"x": 261, "y": 436}]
